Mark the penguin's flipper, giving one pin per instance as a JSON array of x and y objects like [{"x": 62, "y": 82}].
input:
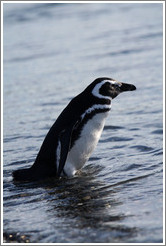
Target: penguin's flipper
[{"x": 65, "y": 140}]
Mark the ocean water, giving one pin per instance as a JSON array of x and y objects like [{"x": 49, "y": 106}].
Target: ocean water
[{"x": 51, "y": 53}]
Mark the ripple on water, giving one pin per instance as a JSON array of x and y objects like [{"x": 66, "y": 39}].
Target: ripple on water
[
  {"x": 115, "y": 139},
  {"x": 149, "y": 150},
  {"x": 111, "y": 127},
  {"x": 159, "y": 131},
  {"x": 142, "y": 148}
]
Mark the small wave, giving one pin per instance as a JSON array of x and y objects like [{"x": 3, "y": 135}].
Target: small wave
[
  {"x": 107, "y": 127},
  {"x": 159, "y": 153},
  {"x": 126, "y": 181},
  {"x": 94, "y": 158},
  {"x": 32, "y": 57},
  {"x": 149, "y": 150},
  {"x": 50, "y": 104},
  {"x": 14, "y": 138},
  {"x": 118, "y": 147},
  {"x": 150, "y": 35},
  {"x": 132, "y": 166},
  {"x": 160, "y": 131},
  {"x": 134, "y": 129},
  {"x": 15, "y": 163},
  {"x": 115, "y": 139},
  {"x": 125, "y": 52},
  {"x": 11, "y": 138},
  {"x": 142, "y": 148},
  {"x": 30, "y": 13}
]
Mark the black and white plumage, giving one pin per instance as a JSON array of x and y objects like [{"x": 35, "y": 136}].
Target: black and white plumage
[{"x": 73, "y": 137}]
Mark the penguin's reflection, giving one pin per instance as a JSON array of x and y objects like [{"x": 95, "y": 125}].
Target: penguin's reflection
[{"x": 84, "y": 198}]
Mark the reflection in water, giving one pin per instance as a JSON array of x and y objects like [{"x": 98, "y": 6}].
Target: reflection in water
[
  {"x": 77, "y": 206},
  {"x": 88, "y": 205}
]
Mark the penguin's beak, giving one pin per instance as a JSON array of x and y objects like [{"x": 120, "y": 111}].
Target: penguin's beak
[
  {"x": 126, "y": 87},
  {"x": 118, "y": 87}
]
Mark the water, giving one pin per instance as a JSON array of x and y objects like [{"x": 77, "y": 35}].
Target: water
[{"x": 51, "y": 53}]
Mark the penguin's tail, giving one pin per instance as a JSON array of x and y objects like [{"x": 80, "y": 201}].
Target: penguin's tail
[
  {"x": 34, "y": 173},
  {"x": 24, "y": 175}
]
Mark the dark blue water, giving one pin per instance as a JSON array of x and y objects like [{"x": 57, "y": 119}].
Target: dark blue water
[{"x": 51, "y": 53}]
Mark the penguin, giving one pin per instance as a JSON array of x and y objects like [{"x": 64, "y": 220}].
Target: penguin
[{"x": 76, "y": 132}]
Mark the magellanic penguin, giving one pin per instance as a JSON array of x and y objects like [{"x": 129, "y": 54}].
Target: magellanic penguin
[{"x": 74, "y": 135}]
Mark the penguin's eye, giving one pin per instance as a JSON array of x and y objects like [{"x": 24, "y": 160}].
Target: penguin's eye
[
  {"x": 105, "y": 88},
  {"x": 106, "y": 84}
]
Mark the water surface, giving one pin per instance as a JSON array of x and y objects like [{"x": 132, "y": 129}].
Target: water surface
[{"x": 51, "y": 53}]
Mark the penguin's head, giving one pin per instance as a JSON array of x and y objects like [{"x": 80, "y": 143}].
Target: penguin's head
[{"x": 109, "y": 88}]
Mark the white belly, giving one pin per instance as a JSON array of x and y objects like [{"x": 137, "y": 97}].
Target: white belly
[{"x": 86, "y": 143}]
